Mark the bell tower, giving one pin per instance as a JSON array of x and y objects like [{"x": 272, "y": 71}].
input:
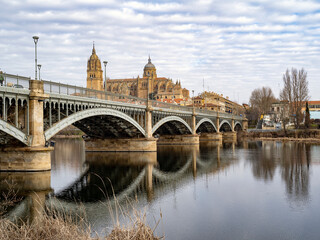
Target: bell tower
[{"x": 94, "y": 72}]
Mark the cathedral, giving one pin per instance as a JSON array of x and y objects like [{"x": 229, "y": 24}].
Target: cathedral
[{"x": 160, "y": 88}]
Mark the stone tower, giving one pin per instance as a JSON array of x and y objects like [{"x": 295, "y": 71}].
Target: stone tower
[{"x": 94, "y": 72}]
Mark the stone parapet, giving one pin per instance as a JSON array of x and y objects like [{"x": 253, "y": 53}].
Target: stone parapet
[
  {"x": 178, "y": 139},
  {"x": 121, "y": 145},
  {"x": 25, "y": 159}
]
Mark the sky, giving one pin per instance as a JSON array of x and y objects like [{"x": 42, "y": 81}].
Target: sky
[{"x": 231, "y": 46}]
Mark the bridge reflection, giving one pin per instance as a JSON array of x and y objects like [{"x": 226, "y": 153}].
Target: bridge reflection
[
  {"x": 31, "y": 189},
  {"x": 107, "y": 179}
]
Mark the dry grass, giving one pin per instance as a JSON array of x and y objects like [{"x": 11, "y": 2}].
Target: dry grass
[
  {"x": 49, "y": 228},
  {"x": 8, "y": 199},
  {"x": 53, "y": 225},
  {"x": 137, "y": 229}
]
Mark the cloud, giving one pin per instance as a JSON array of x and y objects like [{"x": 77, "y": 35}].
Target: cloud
[{"x": 235, "y": 46}]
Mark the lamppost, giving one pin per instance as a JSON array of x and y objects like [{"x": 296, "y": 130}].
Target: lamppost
[
  {"x": 39, "y": 67},
  {"x": 173, "y": 101},
  {"x": 35, "y": 39},
  {"x": 193, "y": 98},
  {"x": 105, "y": 75}
]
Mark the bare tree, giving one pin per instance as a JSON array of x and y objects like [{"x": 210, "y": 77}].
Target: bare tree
[
  {"x": 296, "y": 92},
  {"x": 261, "y": 99}
]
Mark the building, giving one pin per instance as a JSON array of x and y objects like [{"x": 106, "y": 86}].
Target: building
[
  {"x": 94, "y": 72},
  {"x": 160, "y": 88},
  {"x": 279, "y": 111},
  {"x": 216, "y": 102}
]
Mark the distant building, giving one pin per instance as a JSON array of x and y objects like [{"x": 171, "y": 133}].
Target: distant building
[
  {"x": 160, "y": 88},
  {"x": 216, "y": 102},
  {"x": 279, "y": 110},
  {"x": 314, "y": 109}
]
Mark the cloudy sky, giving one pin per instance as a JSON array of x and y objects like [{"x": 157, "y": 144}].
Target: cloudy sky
[{"x": 235, "y": 46}]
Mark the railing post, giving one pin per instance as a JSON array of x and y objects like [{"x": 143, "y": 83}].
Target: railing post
[
  {"x": 50, "y": 114},
  {"x": 59, "y": 116},
  {"x": 232, "y": 123},
  {"x": 193, "y": 124},
  {"x": 218, "y": 123},
  {"x": 4, "y": 111},
  {"x": 37, "y": 97},
  {"x": 28, "y": 118},
  {"x": 16, "y": 112},
  {"x": 148, "y": 120}
]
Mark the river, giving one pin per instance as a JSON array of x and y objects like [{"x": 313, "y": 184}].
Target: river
[{"x": 247, "y": 190}]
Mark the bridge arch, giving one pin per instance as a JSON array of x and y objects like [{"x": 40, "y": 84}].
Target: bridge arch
[
  {"x": 13, "y": 132},
  {"x": 165, "y": 120},
  {"x": 92, "y": 112},
  {"x": 206, "y": 120},
  {"x": 237, "y": 125},
  {"x": 224, "y": 122}
]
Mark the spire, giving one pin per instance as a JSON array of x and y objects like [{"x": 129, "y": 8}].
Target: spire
[
  {"x": 93, "y": 49},
  {"x": 149, "y": 60}
]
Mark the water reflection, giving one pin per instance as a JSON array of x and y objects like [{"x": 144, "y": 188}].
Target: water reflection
[
  {"x": 31, "y": 188},
  {"x": 175, "y": 176},
  {"x": 295, "y": 164},
  {"x": 292, "y": 159}
]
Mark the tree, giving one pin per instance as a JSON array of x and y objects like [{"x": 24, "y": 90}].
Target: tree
[
  {"x": 307, "y": 117},
  {"x": 296, "y": 92},
  {"x": 261, "y": 99}
]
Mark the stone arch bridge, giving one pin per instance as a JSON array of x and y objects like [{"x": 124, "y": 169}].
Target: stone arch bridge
[{"x": 32, "y": 112}]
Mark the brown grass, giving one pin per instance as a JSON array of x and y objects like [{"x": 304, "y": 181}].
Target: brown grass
[
  {"x": 53, "y": 225},
  {"x": 8, "y": 199},
  {"x": 49, "y": 228}
]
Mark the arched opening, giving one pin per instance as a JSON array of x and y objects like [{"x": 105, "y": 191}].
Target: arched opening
[
  {"x": 100, "y": 123},
  {"x": 206, "y": 127},
  {"x": 225, "y": 127},
  {"x": 237, "y": 127}
]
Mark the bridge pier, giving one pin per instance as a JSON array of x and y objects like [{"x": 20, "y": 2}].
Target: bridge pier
[
  {"x": 211, "y": 137},
  {"x": 121, "y": 145},
  {"x": 35, "y": 157},
  {"x": 190, "y": 139},
  {"x": 229, "y": 136}
]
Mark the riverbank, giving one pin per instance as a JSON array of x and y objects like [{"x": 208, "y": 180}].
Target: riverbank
[{"x": 303, "y": 135}]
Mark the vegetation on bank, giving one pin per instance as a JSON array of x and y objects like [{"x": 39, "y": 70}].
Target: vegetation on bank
[
  {"x": 301, "y": 134},
  {"x": 52, "y": 225}
]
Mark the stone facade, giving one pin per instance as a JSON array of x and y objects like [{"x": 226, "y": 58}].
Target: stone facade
[{"x": 160, "y": 88}]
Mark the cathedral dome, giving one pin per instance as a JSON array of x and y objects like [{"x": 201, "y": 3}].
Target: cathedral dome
[{"x": 149, "y": 65}]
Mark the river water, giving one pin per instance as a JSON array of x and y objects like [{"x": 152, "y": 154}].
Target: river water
[{"x": 247, "y": 190}]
